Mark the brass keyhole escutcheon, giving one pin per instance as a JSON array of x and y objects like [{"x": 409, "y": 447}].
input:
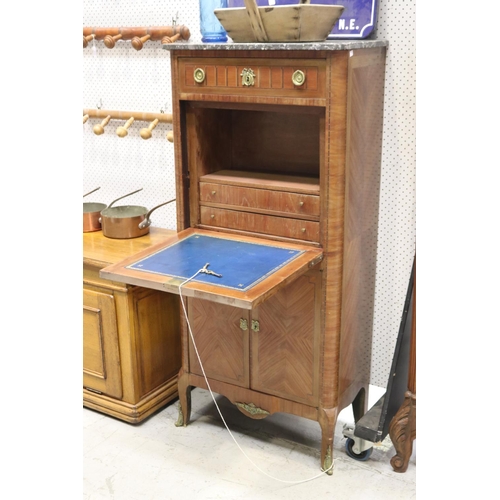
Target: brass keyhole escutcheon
[
  {"x": 199, "y": 75},
  {"x": 243, "y": 324},
  {"x": 255, "y": 325},
  {"x": 247, "y": 77},
  {"x": 298, "y": 78}
]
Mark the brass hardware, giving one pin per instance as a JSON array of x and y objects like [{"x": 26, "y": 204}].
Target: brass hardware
[
  {"x": 212, "y": 216},
  {"x": 213, "y": 193},
  {"x": 243, "y": 324},
  {"x": 255, "y": 325},
  {"x": 303, "y": 229},
  {"x": 247, "y": 77},
  {"x": 298, "y": 78},
  {"x": 252, "y": 409},
  {"x": 199, "y": 75},
  {"x": 327, "y": 464},
  {"x": 301, "y": 203},
  {"x": 180, "y": 418}
]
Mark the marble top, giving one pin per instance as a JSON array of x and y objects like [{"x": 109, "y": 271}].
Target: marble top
[{"x": 325, "y": 45}]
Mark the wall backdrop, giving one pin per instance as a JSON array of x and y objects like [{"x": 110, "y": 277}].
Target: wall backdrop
[{"x": 125, "y": 79}]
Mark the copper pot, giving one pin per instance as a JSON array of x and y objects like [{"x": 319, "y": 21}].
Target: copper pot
[
  {"x": 127, "y": 221},
  {"x": 92, "y": 212}
]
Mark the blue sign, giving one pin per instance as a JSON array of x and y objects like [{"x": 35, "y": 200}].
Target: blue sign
[{"x": 356, "y": 22}]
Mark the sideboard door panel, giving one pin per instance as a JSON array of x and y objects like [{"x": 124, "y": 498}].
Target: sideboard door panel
[
  {"x": 101, "y": 358},
  {"x": 285, "y": 349},
  {"x": 221, "y": 341}
]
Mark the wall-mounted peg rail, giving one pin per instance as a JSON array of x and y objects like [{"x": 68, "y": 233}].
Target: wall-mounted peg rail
[
  {"x": 138, "y": 35},
  {"x": 129, "y": 117}
]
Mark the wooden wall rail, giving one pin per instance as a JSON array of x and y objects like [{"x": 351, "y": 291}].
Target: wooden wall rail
[
  {"x": 138, "y": 35},
  {"x": 130, "y": 117}
]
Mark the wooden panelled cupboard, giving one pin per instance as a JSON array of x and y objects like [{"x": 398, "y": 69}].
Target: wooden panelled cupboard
[{"x": 131, "y": 344}]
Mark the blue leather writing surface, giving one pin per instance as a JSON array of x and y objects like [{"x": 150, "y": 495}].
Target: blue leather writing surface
[{"x": 241, "y": 264}]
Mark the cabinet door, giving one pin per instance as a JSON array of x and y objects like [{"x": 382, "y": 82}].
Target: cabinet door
[
  {"x": 221, "y": 338},
  {"x": 101, "y": 358},
  {"x": 285, "y": 349}
]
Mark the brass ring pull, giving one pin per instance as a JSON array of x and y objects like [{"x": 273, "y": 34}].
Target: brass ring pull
[
  {"x": 199, "y": 75},
  {"x": 298, "y": 78}
]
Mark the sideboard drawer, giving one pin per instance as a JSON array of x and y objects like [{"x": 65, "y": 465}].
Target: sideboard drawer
[
  {"x": 262, "y": 200},
  {"x": 257, "y": 223},
  {"x": 301, "y": 78}
]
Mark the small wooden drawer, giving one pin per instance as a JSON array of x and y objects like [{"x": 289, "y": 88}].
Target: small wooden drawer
[
  {"x": 257, "y": 223},
  {"x": 303, "y": 78},
  {"x": 261, "y": 200}
]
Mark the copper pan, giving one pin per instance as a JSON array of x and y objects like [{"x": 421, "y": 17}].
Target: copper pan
[
  {"x": 127, "y": 221},
  {"x": 92, "y": 212}
]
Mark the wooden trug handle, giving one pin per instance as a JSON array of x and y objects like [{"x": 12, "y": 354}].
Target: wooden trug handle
[{"x": 256, "y": 21}]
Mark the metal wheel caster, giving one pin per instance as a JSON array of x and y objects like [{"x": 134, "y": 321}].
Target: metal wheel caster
[{"x": 363, "y": 456}]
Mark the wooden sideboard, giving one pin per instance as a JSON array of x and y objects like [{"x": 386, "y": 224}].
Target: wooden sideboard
[
  {"x": 131, "y": 335},
  {"x": 279, "y": 147}
]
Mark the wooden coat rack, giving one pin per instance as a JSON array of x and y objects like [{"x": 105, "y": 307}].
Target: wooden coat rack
[
  {"x": 138, "y": 35},
  {"x": 129, "y": 117}
]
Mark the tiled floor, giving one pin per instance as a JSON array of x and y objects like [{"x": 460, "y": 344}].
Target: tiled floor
[{"x": 156, "y": 460}]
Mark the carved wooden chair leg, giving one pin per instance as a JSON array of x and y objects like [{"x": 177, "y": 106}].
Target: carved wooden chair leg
[
  {"x": 184, "y": 400},
  {"x": 402, "y": 431},
  {"x": 327, "y": 420}
]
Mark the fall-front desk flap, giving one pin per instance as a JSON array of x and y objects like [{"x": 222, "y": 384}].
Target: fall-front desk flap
[{"x": 236, "y": 270}]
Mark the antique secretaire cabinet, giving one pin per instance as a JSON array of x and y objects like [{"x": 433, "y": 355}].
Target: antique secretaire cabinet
[{"x": 277, "y": 146}]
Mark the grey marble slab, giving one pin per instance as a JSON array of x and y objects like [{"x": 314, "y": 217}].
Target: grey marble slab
[{"x": 326, "y": 45}]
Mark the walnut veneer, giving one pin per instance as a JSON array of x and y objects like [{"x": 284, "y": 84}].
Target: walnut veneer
[{"x": 286, "y": 162}]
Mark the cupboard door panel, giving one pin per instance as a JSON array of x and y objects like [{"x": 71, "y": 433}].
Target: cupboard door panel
[
  {"x": 285, "y": 350},
  {"x": 101, "y": 358},
  {"x": 222, "y": 345}
]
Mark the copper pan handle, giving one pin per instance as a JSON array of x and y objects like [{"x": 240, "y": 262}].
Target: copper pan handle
[
  {"x": 90, "y": 192},
  {"x": 124, "y": 196},
  {"x": 146, "y": 222}
]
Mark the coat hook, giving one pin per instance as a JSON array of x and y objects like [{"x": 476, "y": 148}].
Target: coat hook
[
  {"x": 170, "y": 39},
  {"x": 86, "y": 40},
  {"x": 170, "y": 136},
  {"x": 99, "y": 129},
  {"x": 146, "y": 132},
  {"x": 85, "y": 118},
  {"x": 123, "y": 131},
  {"x": 138, "y": 43},
  {"x": 109, "y": 40}
]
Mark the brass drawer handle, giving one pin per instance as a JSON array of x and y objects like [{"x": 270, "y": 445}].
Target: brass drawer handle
[
  {"x": 199, "y": 75},
  {"x": 298, "y": 78},
  {"x": 301, "y": 203},
  {"x": 213, "y": 193}
]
